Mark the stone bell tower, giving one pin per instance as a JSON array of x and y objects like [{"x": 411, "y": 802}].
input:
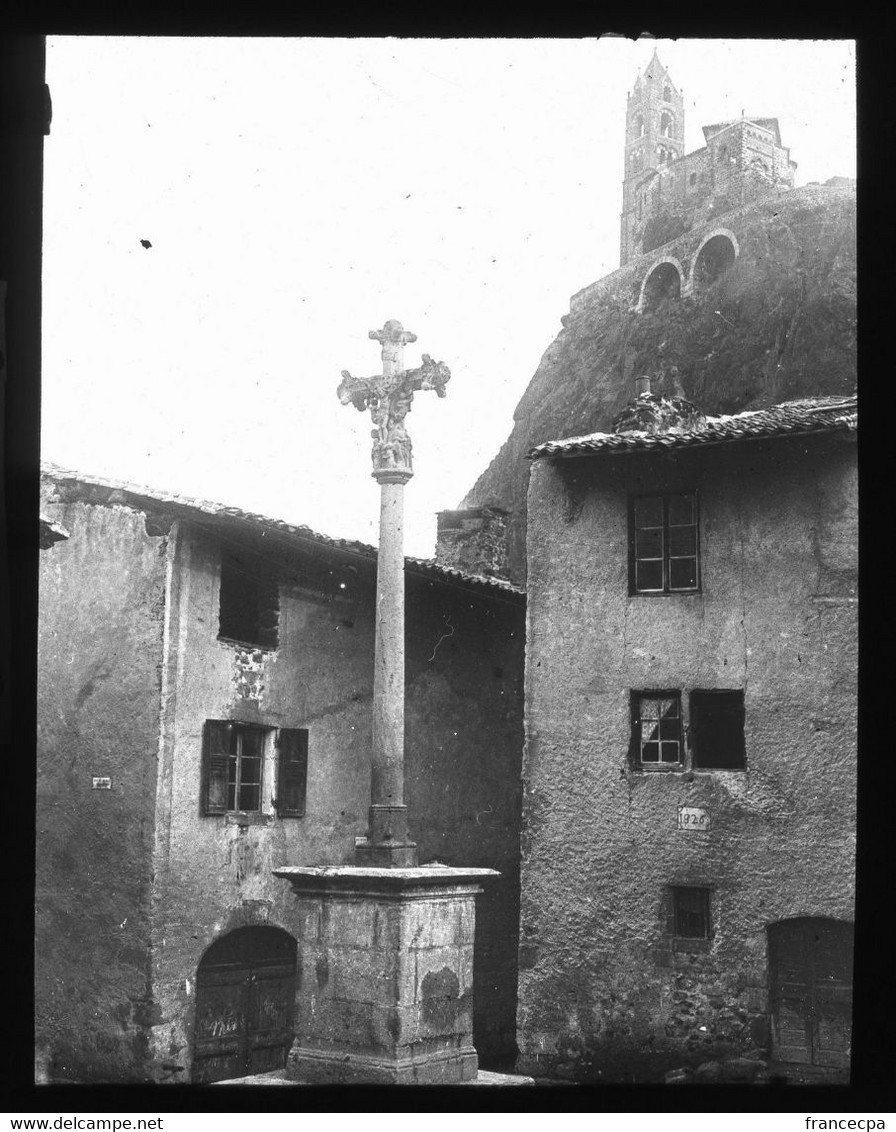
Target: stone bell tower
[{"x": 654, "y": 137}]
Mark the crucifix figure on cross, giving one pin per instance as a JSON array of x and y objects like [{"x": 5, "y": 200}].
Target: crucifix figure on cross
[{"x": 388, "y": 397}]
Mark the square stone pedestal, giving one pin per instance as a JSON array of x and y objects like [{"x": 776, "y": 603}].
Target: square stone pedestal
[{"x": 385, "y": 986}]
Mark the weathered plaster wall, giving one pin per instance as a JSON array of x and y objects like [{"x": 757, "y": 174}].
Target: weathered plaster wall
[
  {"x": 463, "y": 742},
  {"x": 603, "y": 990},
  {"x": 473, "y": 541},
  {"x": 779, "y": 324},
  {"x": 99, "y": 659},
  {"x": 214, "y": 874}
]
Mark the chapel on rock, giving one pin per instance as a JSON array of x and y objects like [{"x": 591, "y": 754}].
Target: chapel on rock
[{"x": 665, "y": 190}]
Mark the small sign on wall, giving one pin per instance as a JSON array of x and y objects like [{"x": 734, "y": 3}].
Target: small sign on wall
[
  {"x": 690, "y": 818},
  {"x": 102, "y": 782}
]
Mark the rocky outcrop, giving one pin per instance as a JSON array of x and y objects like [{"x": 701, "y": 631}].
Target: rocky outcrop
[{"x": 777, "y": 325}]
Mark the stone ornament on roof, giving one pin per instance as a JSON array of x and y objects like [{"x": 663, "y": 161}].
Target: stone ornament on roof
[
  {"x": 388, "y": 396},
  {"x": 651, "y": 412}
]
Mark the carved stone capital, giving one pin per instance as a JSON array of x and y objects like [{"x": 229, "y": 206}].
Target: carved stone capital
[{"x": 392, "y": 475}]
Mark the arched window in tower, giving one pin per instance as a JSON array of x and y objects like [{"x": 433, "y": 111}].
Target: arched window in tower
[
  {"x": 692, "y": 180},
  {"x": 667, "y": 93},
  {"x": 667, "y": 122},
  {"x": 722, "y": 154},
  {"x": 638, "y": 125}
]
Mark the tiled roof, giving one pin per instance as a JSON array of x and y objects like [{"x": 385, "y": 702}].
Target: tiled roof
[
  {"x": 793, "y": 418},
  {"x": 431, "y": 568},
  {"x": 138, "y": 496}
]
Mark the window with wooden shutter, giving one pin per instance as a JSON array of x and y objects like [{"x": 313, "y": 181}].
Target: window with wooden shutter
[
  {"x": 215, "y": 765},
  {"x": 292, "y": 771},
  {"x": 656, "y": 731},
  {"x": 232, "y": 767},
  {"x": 717, "y": 730}
]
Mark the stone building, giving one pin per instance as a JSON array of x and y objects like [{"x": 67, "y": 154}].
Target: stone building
[
  {"x": 666, "y": 191},
  {"x": 746, "y": 301},
  {"x": 690, "y": 764},
  {"x": 689, "y": 773},
  {"x": 204, "y": 705}
]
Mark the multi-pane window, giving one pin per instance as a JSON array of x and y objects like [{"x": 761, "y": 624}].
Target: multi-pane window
[
  {"x": 717, "y": 730},
  {"x": 236, "y": 764},
  {"x": 713, "y": 724},
  {"x": 656, "y": 730},
  {"x": 663, "y": 544},
  {"x": 690, "y": 912},
  {"x": 250, "y": 601}
]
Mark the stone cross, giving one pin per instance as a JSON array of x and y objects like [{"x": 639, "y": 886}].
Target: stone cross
[{"x": 388, "y": 397}]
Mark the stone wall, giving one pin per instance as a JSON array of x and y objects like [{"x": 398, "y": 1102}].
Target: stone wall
[
  {"x": 606, "y": 991},
  {"x": 131, "y": 668},
  {"x": 474, "y": 541},
  {"x": 213, "y": 873},
  {"x": 779, "y": 324},
  {"x": 463, "y": 743},
  {"x": 99, "y": 660},
  {"x": 387, "y": 978}
]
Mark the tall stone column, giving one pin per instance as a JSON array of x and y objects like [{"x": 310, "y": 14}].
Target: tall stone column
[
  {"x": 388, "y": 398},
  {"x": 388, "y": 813},
  {"x": 386, "y": 948}
]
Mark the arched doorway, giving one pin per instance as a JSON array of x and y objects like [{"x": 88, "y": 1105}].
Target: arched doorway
[
  {"x": 713, "y": 260},
  {"x": 663, "y": 283},
  {"x": 810, "y": 968},
  {"x": 245, "y": 992}
]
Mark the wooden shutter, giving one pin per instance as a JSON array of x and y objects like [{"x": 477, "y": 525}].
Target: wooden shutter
[
  {"x": 292, "y": 771},
  {"x": 717, "y": 730},
  {"x": 215, "y": 760}
]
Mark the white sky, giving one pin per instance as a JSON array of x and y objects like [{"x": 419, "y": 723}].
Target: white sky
[{"x": 299, "y": 192}]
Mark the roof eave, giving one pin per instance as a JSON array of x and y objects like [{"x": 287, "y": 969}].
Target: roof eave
[
  {"x": 262, "y": 526},
  {"x": 848, "y": 430}
]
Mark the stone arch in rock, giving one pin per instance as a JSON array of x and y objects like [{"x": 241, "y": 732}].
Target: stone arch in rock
[
  {"x": 715, "y": 254},
  {"x": 662, "y": 282}
]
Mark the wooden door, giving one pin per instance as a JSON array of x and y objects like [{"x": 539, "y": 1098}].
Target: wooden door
[
  {"x": 245, "y": 989},
  {"x": 810, "y": 964}
]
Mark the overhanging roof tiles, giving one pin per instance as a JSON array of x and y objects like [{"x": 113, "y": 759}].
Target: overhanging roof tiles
[
  {"x": 138, "y": 496},
  {"x": 793, "y": 418}
]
